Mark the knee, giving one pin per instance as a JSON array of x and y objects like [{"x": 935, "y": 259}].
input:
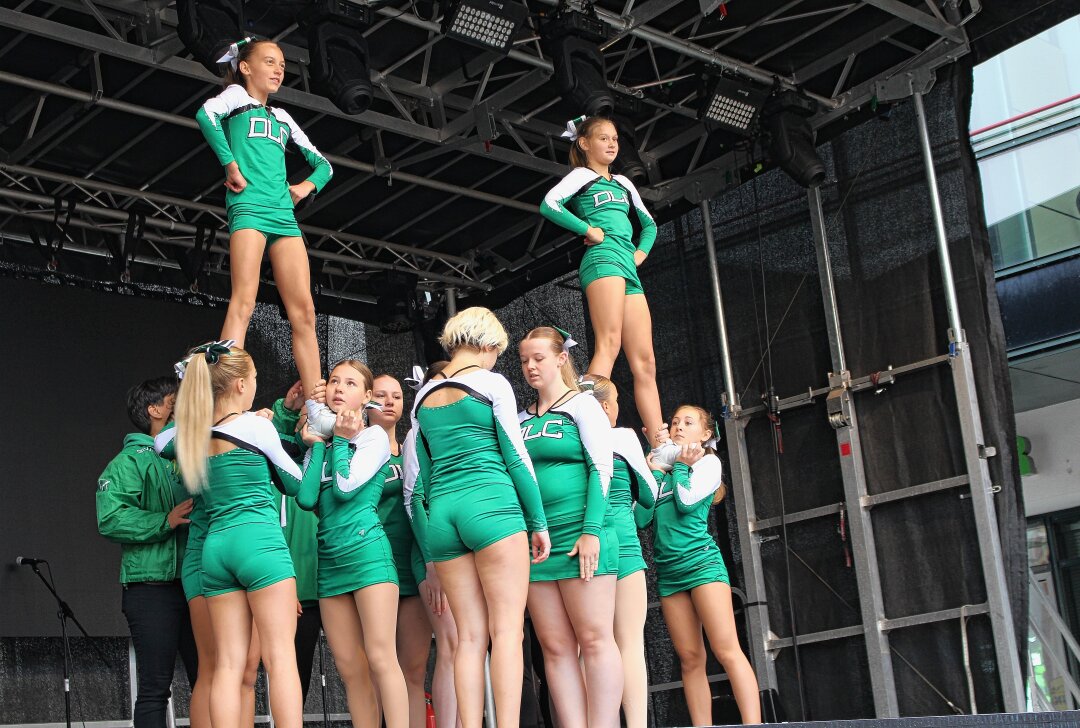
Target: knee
[
  {"x": 506, "y": 631},
  {"x": 691, "y": 659},
  {"x": 643, "y": 365},
  {"x": 447, "y": 644},
  {"x": 595, "y": 641},
  {"x": 251, "y": 675},
  {"x": 382, "y": 659},
  {"x": 352, "y": 668},
  {"x": 608, "y": 342},
  {"x": 728, "y": 654},
  {"x": 302, "y": 317},
  {"x": 242, "y": 306},
  {"x": 562, "y": 646}
]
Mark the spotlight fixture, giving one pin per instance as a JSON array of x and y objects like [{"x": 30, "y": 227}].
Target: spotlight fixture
[
  {"x": 208, "y": 27},
  {"x": 396, "y": 305},
  {"x": 628, "y": 162},
  {"x": 571, "y": 38},
  {"x": 791, "y": 139},
  {"x": 339, "y": 53},
  {"x": 487, "y": 24},
  {"x": 732, "y": 105}
]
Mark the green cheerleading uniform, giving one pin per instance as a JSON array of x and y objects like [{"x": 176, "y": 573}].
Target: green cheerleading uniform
[
  {"x": 242, "y": 130},
  {"x": 631, "y": 481},
  {"x": 477, "y": 473},
  {"x": 685, "y": 553},
  {"x": 244, "y": 547},
  {"x": 570, "y": 446},
  {"x": 396, "y": 525},
  {"x": 354, "y": 552},
  {"x": 191, "y": 571},
  {"x": 585, "y": 199}
]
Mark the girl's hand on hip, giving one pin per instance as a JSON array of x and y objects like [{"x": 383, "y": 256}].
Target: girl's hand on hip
[
  {"x": 233, "y": 179},
  {"x": 594, "y": 236}
]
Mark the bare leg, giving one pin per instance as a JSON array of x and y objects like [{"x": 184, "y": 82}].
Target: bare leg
[
  {"x": 288, "y": 257},
  {"x": 606, "y": 298},
  {"x": 685, "y": 629},
  {"x": 713, "y": 605},
  {"x": 204, "y": 645},
  {"x": 251, "y": 676},
  {"x": 443, "y": 698},
  {"x": 231, "y": 620},
  {"x": 466, "y": 594},
  {"x": 638, "y": 344},
  {"x": 591, "y": 608},
  {"x": 245, "y": 258},
  {"x": 275, "y": 614},
  {"x": 377, "y": 606},
  {"x": 560, "y": 645},
  {"x": 631, "y": 607},
  {"x": 345, "y": 635},
  {"x": 413, "y": 648}
]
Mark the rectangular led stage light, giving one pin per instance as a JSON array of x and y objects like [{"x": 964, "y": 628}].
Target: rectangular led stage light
[
  {"x": 488, "y": 24},
  {"x": 733, "y": 105}
]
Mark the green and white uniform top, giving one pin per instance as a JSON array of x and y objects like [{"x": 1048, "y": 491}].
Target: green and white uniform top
[
  {"x": 391, "y": 507},
  {"x": 238, "y": 489},
  {"x": 348, "y": 494},
  {"x": 475, "y": 441},
  {"x": 413, "y": 495},
  {"x": 570, "y": 447},
  {"x": 631, "y": 481},
  {"x": 585, "y": 199},
  {"x": 242, "y": 130},
  {"x": 682, "y": 512}
]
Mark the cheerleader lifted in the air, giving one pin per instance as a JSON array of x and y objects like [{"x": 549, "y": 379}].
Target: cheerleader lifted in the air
[
  {"x": 249, "y": 138},
  {"x": 608, "y": 212}
]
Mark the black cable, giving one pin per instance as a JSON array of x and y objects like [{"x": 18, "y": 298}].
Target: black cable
[{"x": 770, "y": 389}]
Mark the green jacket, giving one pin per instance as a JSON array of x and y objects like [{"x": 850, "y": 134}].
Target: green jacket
[{"x": 135, "y": 493}]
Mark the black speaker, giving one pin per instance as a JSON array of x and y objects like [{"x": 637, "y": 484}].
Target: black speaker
[
  {"x": 208, "y": 27},
  {"x": 786, "y": 120},
  {"x": 628, "y": 162},
  {"x": 339, "y": 64}
]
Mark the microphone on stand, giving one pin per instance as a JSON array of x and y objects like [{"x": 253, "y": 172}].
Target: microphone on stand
[{"x": 27, "y": 561}]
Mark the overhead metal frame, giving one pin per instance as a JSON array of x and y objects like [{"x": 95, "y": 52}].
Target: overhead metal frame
[
  {"x": 875, "y": 626},
  {"x": 440, "y": 115}
]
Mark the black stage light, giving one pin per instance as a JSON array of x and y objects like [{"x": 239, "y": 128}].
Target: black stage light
[
  {"x": 791, "y": 139},
  {"x": 629, "y": 162},
  {"x": 208, "y": 27},
  {"x": 396, "y": 302},
  {"x": 571, "y": 38},
  {"x": 487, "y": 24},
  {"x": 338, "y": 53},
  {"x": 732, "y": 105}
]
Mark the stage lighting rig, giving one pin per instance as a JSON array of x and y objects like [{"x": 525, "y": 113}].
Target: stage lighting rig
[
  {"x": 571, "y": 37},
  {"x": 487, "y": 24},
  {"x": 338, "y": 52},
  {"x": 732, "y": 105},
  {"x": 208, "y": 27},
  {"x": 786, "y": 120}
]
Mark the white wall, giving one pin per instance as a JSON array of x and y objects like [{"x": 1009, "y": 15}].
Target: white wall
[{"x": 1054, "y": 432}]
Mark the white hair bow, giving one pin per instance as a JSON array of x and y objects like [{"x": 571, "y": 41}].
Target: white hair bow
[
  {"x": 571, "y": 132},
  {"x": 415, "y": 379},
  {"x": 233, "y": 53}
]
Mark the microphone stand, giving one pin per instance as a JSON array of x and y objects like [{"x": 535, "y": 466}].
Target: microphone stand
[{"x": 64, "y": 613}]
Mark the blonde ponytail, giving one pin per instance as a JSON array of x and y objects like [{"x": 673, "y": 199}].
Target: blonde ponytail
[{"x": 194, "y": 416}]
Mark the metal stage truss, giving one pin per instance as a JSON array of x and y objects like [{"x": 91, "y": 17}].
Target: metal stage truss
[{"x": 441, "y": 177}]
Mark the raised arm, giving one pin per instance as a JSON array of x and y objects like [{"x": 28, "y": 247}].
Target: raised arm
[
  {"x": 692, "y": 486},
  {"x": 357, "y": 470}
]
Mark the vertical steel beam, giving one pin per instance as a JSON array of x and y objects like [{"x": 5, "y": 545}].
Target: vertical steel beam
[
  {"x": 757, "y": 610},
  {"x": 841, "y": 411},
  {"x": 451, "y": 301},
  {"x": 975, "y": 453}
]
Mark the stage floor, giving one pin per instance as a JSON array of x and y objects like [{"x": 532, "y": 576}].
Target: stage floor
[{"x": 1067, "y": 719}]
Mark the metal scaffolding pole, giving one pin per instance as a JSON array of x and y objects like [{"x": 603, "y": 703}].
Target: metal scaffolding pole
[
  {"x": 975, "y": 452},
  {"x": 757, "y": 610},
  {"x": 841, "y": 413}
]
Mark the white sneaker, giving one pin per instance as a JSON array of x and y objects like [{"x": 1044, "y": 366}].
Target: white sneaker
[
  {"x": 321, "y": 419},
  {"x": 664, "y": 456}
]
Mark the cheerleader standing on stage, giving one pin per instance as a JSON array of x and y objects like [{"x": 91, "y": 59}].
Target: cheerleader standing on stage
[
  {"x": 690, "y": 572},
  {"x": 357, "y": 581},
  {"x": 478, "y": 479},
  {"x": 631, "y": 482},
  {"x": 418, "y": 616},
  {"x": 572, "y": 594},
  {"x": 230, "y": 456},
  {"x": 607, "y": 210},
  {"x": 249, "y": 139}
]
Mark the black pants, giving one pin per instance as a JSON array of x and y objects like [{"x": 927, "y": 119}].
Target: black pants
[
  {"x": 307, "y": 641},
  {"x": 157, "y": 615}
]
